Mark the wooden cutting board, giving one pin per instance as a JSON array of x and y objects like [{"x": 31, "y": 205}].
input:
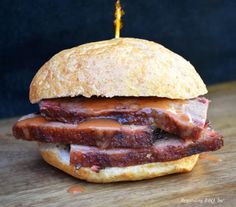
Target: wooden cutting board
[{"x": 26, "y": 180}]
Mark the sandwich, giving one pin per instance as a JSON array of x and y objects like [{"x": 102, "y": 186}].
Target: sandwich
[{"x": 123, "y": 109}]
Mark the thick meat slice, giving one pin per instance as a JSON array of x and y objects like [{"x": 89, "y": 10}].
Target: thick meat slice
[
  {"x": 103, "y": 133},
  {"x": 185, "y": 118},
  {"x": 167, "y": 148}
]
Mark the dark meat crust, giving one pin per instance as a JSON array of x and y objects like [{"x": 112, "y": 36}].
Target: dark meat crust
[
  {"x": 168, "y": 148},
  {"x": 185, "y": 118},
  {"x": 39, "y": 129}
]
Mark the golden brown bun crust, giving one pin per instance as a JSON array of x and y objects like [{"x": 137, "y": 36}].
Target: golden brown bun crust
[
  {"x": 117, "y": 67},
  {"x": 58, "y": 157}
]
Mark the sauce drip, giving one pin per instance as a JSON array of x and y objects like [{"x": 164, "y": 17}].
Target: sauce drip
[
  {"x": 95, "y": 106},
  {"x": 100, "y": 124},
  {"x": 76, "y": 189},
  {"x": 213, "y": 158}
]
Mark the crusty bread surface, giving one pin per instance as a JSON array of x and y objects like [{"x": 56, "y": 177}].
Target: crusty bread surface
[
  {"x": 58, "y": 156},
  {"x": 117, "y": 67}
]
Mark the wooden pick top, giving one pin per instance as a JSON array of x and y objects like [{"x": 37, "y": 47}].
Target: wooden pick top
[{"x": 118, "y": 23}]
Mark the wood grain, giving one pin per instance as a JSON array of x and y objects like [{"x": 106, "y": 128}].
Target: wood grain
[{"x": 26, "y": 180}]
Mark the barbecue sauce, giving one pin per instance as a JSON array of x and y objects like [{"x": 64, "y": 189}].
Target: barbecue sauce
[
  {"x": 76, "y": 189},
  {"x": 209, "y": 157},
  {"x": 100, "y": 124},
  {"x": 95, "y": 106}
]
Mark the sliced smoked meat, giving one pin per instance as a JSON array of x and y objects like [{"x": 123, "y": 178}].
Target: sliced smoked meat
[
  {"x": 103, "y": 133},
  {"x": 185, "y": 118},
  {"x": 168, "y": 148}
]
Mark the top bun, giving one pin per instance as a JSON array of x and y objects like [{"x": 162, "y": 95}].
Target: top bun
[{"x": 117, "y": 67}]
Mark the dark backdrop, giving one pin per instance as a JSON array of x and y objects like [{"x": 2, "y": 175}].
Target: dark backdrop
[{"x": 31, "y": 31}]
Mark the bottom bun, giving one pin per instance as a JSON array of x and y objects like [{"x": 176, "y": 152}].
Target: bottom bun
[{"x": 59, "y": 157}]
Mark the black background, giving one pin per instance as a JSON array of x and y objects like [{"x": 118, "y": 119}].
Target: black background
[{"x": 31, "y": 31}]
